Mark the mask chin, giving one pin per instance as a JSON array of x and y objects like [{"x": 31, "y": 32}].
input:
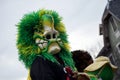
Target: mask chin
[{"x": 54, "y": 48}]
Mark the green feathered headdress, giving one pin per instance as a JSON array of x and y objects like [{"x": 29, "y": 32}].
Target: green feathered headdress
[{"x": 27, "y": 48}]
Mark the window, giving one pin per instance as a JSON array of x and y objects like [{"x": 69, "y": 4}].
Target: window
[
  {"x": 112, "y": 22},
  {"x": 118, "y": 47},
  {"x": 112, "y": 58},
  {"x": 115, "y": 24},
  {"x": 101, "y": 29}
]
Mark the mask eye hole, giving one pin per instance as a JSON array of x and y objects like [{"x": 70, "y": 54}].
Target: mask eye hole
[
  {"x": 54, "y": 35},
  {"x": 48, "y": 36}
]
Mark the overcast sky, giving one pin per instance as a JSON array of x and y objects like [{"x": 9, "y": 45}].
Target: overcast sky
[{"x": 81, "y": 18}]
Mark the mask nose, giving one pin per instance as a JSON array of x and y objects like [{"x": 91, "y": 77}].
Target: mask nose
[{"x": 51, "y": 34}]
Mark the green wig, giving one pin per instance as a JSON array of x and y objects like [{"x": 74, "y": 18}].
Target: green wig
[{"x": 27, "y": 48}]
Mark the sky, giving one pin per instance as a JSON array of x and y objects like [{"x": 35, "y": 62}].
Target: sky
[{"x": 81, "y": 19}]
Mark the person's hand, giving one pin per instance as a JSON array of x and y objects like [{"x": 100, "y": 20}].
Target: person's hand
[
  {"x": 75, "y": 74},
  {"x": 82, "y": 76}
]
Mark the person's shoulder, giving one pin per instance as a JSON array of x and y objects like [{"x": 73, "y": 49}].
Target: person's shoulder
[{"x": 38, "y": 59}]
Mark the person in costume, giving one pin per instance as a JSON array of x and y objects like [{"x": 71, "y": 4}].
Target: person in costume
[
  {"x": 82, "y": 59},
  {"x": 100, "y": 69},
  {"x": 43, "y": 46}
]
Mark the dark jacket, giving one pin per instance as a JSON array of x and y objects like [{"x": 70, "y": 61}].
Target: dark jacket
[{"x": 43, "y": 69}]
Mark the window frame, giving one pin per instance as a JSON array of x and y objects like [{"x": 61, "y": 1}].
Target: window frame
[{"x": 114, "y": 25}]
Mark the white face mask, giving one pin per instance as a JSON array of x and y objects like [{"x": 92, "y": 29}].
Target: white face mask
[{"x": 50, "y": 35}]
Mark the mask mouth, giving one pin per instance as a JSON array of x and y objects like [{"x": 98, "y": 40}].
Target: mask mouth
[{"x": 54, "y": 48}]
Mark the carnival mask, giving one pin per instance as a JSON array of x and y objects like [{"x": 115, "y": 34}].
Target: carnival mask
[{"x": 49, "y": 39}]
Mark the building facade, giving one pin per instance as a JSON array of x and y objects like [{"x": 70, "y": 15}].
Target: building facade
[{"x": 110, "y": 29}]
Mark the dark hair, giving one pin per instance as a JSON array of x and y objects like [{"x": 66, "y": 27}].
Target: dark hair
[{"x": 82, "y": 59}]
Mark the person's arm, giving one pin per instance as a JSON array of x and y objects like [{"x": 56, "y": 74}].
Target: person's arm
[{"x": 37, "y": 69}]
